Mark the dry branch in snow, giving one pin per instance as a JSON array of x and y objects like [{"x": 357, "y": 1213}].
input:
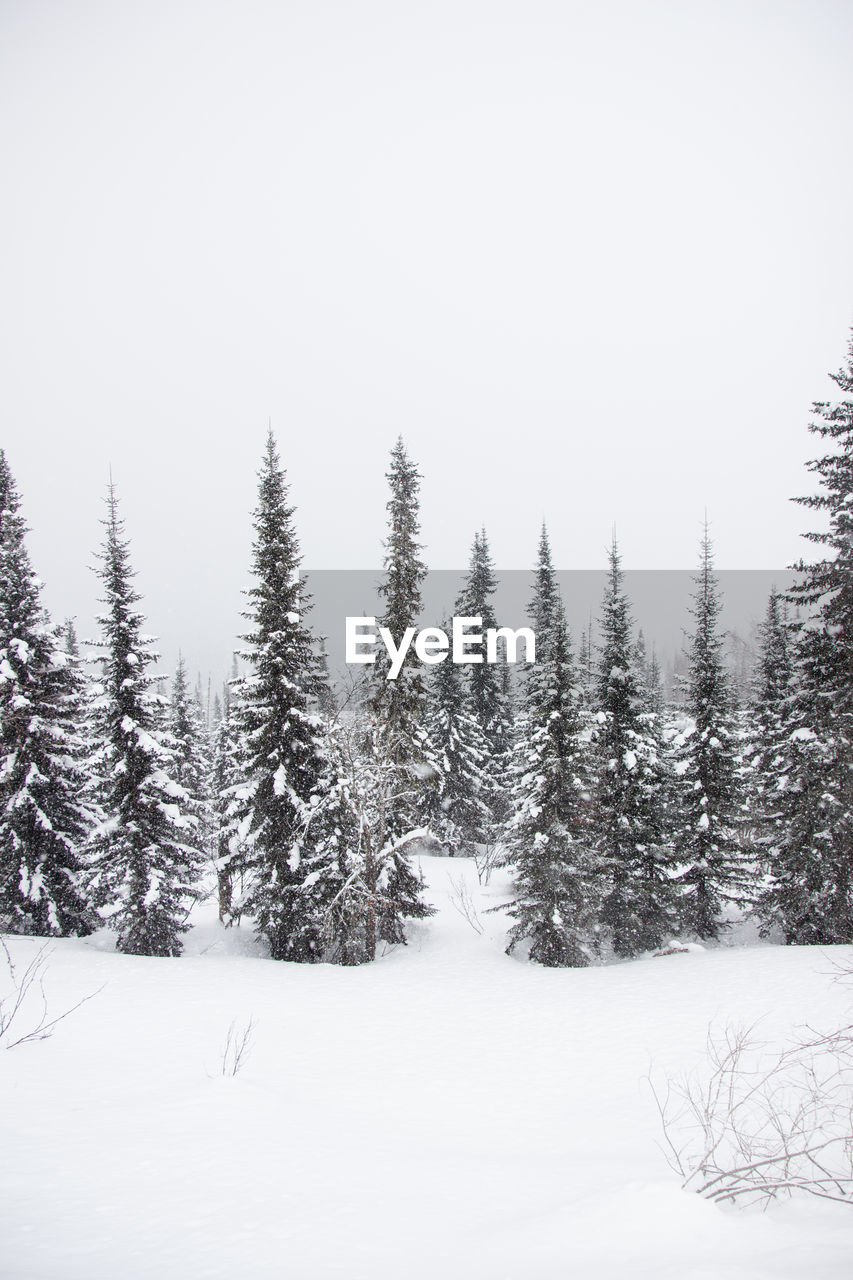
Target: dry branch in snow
[{"x": 755, "y": 1124}]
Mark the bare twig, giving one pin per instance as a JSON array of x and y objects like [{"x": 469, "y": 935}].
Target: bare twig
[
  {"x": 486, "y": 858},
  {"x": 763, "y": 1124},
  {"x": 237, "y": 1046},
  {"x": 462, "y": 902},
  {"x": 30, "y": 982}
]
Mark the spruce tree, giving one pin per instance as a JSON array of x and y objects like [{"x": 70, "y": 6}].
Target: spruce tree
[
  {"x": 456, "y": 812},
  {"x": 397, "y": 737},
  {"x": 654, "y": 687},
  {"x": 629, "y": 838},
  {"x": 498, "y": 792},
  {"x": 811, "y": 892},
  {"x": 768, "y": 751},
  {"x": 146, "y": 854},
  {"x": 713, "y": 870},
  {"x": 189, "y": 744},
  {"x": 555, "y": 883},
  {"x": 279, "y": 732},
  {"x": 401, "y": 703},
  {"x": 773, "y": 680},
  {"x": 348, "y": 874},
  {"x": 355, "y": 869},
  {"x": 586, "y": 665},
  {"x": 226, "y": 810},
  {"x": 44, "y": 817},
  {"x": 483, "y": 679},
  {"x": 545, "y": 602},
  {"x": 80, "y": 705}
]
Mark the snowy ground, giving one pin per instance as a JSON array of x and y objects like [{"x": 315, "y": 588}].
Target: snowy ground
[{"x": 448, "y": 1111}]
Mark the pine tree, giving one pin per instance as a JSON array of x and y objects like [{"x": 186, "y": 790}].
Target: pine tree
[
  {"x": 806, "y": 894},
  {"x": 349, "y": 884},
  {"x": 201, "y": 706},
  {"x": 499, "y": 786},
  {"x": 811, "y": 892},
  {"x": 355, "y": 869},
  {"x": 456, "y": 812},
  {"x": 401, "y": 703},
  {"x": 280, "y": 734},
  {"x": 192, "y": 763},
  {"x": 146, "y": 854},
  {"x": 555, "y": 884},
  {"x": 80, "y": 698},
  {"x": 713, "y": 871},
  {"x": 629, "y": 836},
  {"x": 545, "y": 602},
  {"x": 44, "y": 818},
  {"x": 226, "y": 810},
  {"x": 326, "y": 700},
  {"x": 654, "y": 687},
  {"x": 397, "y": 737},
  {"x": 586, "y": 665},
  {"x": 767, "y": 754},
  {"x": 483, "y": 679}
]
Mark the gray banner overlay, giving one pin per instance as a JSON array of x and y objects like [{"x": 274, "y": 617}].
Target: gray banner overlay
[{"x": 660, "y": 603}]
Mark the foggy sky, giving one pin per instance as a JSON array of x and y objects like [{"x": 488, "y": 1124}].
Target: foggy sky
[{"x": 593, "y": 260}]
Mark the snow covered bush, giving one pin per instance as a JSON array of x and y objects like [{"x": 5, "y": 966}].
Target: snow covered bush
[{"x": 360, "y": 879}]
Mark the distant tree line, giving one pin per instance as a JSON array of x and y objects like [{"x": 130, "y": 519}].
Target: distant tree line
[{"x": 626, "y": 819}]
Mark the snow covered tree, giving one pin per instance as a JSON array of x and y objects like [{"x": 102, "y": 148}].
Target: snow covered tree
[
  {"x": 586, "y": 665},
  {"x": 226, "y": 810},
  {"x": 811, "y": 893},
  {"x": 146, "y": 853},
  {"x": 202, "y": 706},
  {"x": 355, "y": 869},
  {"x": 713, "y": 870},
  {"x": 397, "y": 736},
  {"x": 280, "y": 733},
  {"x": 326, "y": 699},
  {"x": 773, "y": 680},
  {"x": 347, "y": 878},
  {"x": 504, "y": 736},
  {"x": 654, "y": 687},
  {"x": 44, "y": 818},
  {"x": 401, "y": 703},
  {"x": 766, "y": 752},
  {"x": 628, "y": 823},
  {"x": 483, "y": 679},
  {"x": 80, "y": 697},
  {"x": 456, "y": 810},
  {"x": 555, "y": 883},
  {"x": 189, "y": 744},
  {"x": 545, "y": 602},
  {"x": 805, "y": 893}
]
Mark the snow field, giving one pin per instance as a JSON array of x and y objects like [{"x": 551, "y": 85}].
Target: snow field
[{"x": 448, "y": 1111}]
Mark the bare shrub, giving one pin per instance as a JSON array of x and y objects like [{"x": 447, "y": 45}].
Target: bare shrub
[
  {"x": 486, "y": 858},
  {"x": 238, "y": 1043},
  {"x": 27, "y": 990},
  {"x": 462, "y": 902},
  {"x": 757, "y": 1124}
]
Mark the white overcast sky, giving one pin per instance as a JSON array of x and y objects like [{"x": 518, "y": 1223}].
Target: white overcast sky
[{"x": 593, "y": 260}]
